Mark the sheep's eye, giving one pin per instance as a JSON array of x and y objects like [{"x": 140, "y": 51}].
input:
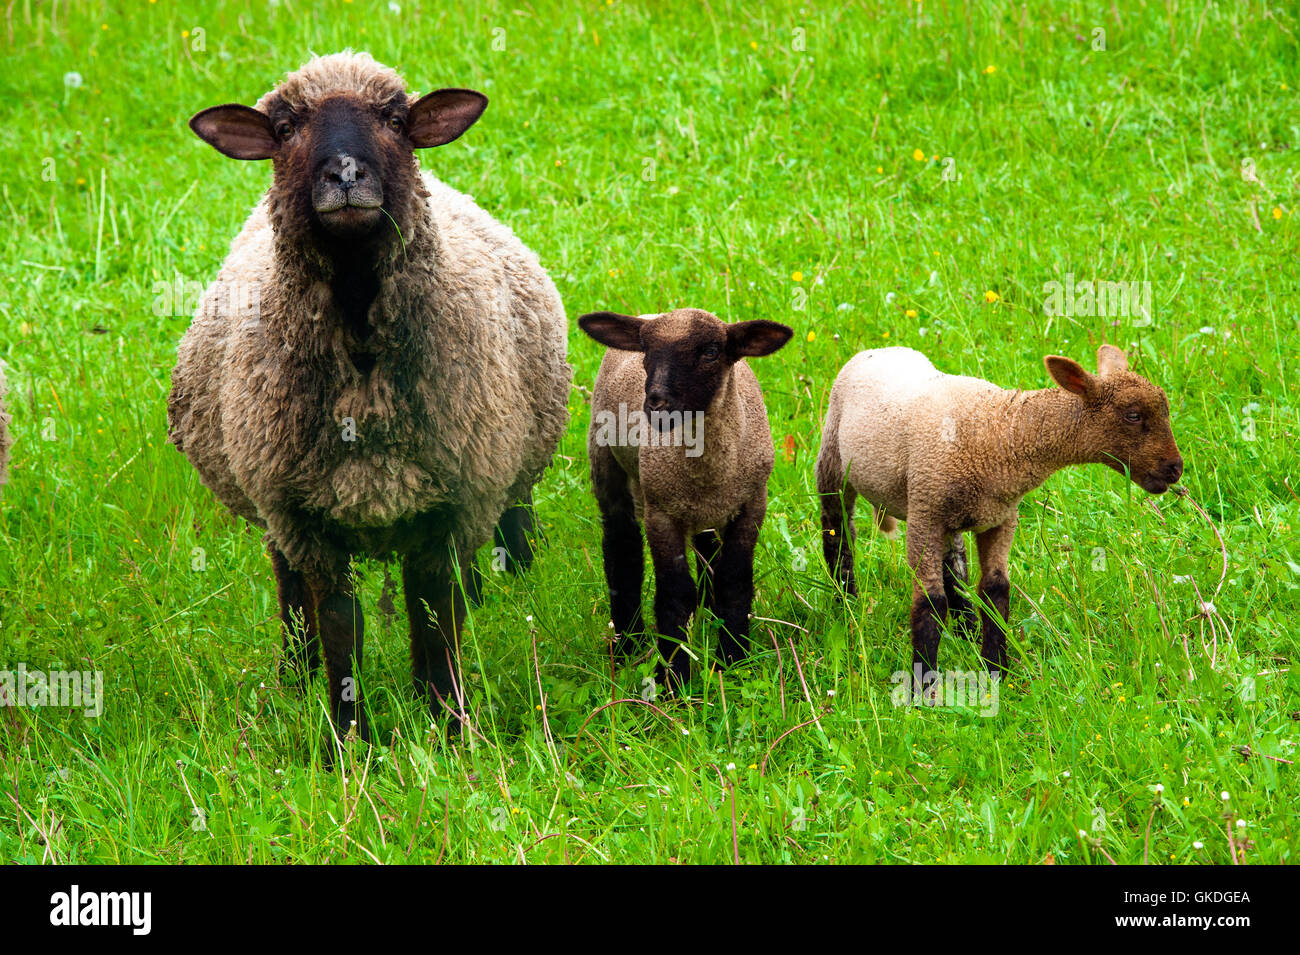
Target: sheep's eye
[
  {"x": 395, "y": 123},
  {"x": 283, "y": 129},
  {"x": 1134, "y": 416},
  {"x": 710, "y": 352}
]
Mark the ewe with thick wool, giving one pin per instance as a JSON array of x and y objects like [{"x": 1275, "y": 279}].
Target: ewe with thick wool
[
  {"x": 379, "y": 367},
  {"x": 695, "y": 470},
  {"x": 950, "y": 454}
]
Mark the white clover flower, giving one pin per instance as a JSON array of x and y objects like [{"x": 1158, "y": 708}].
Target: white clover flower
[
  {"x": 1160, "y": 787},
  {"x": 1224, "y": 796},
  {"x": 1198, "y": 845},
  {"x": 72, "y": 80}
]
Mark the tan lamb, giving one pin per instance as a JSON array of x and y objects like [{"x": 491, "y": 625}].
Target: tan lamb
[{"x": 950, "y": 454}]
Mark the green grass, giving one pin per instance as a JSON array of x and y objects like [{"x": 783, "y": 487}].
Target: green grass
[{"x": 658, "y": 158}]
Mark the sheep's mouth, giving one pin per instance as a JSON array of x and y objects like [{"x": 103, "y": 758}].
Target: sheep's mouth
[
  {"x": 351, "y": 218},
  {"x": 1154, "y": 485}
]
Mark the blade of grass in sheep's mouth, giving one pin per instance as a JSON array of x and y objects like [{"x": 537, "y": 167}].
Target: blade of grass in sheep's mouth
[{"x": 398, "y": 228}]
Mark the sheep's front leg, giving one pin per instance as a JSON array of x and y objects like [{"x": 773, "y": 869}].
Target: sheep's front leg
[
  {"x": 301, "y": 656},
  {"x": 994, "y": 547},
  {"x": 707, "y": 547},
  {"x": 342, "y": 637},
  {"x": 925, "y": 553},
  {"x": 622, "y": 547},
  {"x": 435, "y": 605},
  {"x": 674, "y": 595},
  {"x": 735, "y": 575}
]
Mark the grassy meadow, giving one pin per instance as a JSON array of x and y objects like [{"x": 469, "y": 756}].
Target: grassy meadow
[{"x": 869, "y": 173}]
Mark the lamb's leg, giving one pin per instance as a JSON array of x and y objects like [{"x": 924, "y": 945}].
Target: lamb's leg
[
  {"x": 435, "y": 605},
  {"x": 838, "y": 499},
  {"x": 622, "y": 547},
  {"x": 514, "y": 534},
  {"x": 994, "y": 547},
  {"x": 955, "y": 576},
  {"x": 736, "y": 578},
  {"x": 342, "y": 637},
  {"x": 674, "y": 595},
  {"x": 707, "y": 547},
  {"x": 301, "y": 656},
  {"x": 925, "y": 551}
]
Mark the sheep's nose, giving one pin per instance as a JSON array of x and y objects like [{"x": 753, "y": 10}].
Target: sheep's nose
[
  {"x": 343, "y": 170},
  {"x": 1174, "y": 470},
  {"x": 656, "y": 400}
]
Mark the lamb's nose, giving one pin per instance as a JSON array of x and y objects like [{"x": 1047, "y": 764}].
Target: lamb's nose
[
  {"x": 1174, "y": 470},
  {"x": 656, "y": 401}
]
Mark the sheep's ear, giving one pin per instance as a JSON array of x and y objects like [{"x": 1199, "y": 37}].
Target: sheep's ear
[
  {"x": 237, "y": 131},
  {"x": 757, "y": 338},
  {"x": 441, "y": 116},
  {"x": 1069, "y": 374},
  {"x": 1109, "y": 359},
  {"x": 614, "y": 330}
]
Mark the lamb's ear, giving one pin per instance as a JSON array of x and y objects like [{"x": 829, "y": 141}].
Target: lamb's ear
[
  {"x": 439, "y": 117},
  {"x": 757, "y": 338},
  {"x": 1110, "y": 358},
  {"x": 614, "y": 330},
  {"x": 1069, "y": 374},
  {"x": 237, "y": 131}
]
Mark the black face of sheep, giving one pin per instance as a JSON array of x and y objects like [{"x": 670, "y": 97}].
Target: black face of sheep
[
  {"x": 684, "y": 367},
  {"x": 342, "y": 160}
]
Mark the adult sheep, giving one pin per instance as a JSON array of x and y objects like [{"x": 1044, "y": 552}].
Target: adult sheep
[{"x": 378, "y": 369}]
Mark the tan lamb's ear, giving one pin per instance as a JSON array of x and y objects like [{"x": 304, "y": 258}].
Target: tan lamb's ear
[
  {"x": 1069, "y": 374},
  {"x": 1110, "y": 359}
]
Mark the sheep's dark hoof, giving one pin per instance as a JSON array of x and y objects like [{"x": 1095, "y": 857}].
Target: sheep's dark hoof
[
  {"x": 345, "y": 739},
  {"x": 731, "y": 650},
  {"x": 965, "y": 619},
  {"x": 627, "y": 645},
  {"x": 677, "y": 672}
]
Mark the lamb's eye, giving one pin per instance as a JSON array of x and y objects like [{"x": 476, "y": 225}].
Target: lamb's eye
[
  {"x": 395, "y": 123},
  {"x": 283, "y": 129},
  {"x": 1134, "y": 416},
  {"x": 710, "y": 352}
]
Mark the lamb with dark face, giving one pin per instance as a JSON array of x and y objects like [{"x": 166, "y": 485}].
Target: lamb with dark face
[
  {"x": 378, "y": 369},
  {"x": 679, "y": 439}
]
